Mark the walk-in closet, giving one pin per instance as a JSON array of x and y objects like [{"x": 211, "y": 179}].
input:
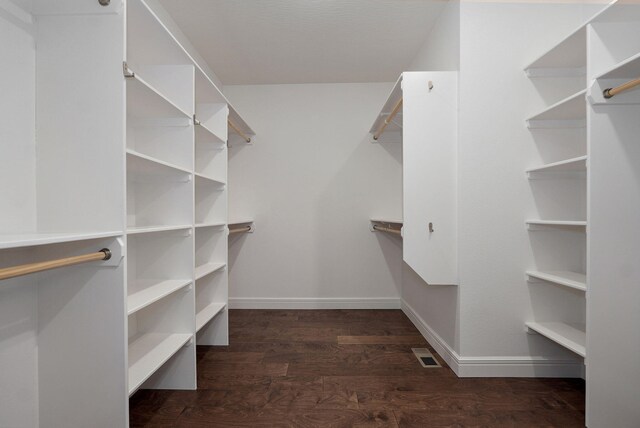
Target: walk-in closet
[{"x": 301, "y": 213}]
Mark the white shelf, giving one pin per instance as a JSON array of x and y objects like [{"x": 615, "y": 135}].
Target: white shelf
[
  {"x": 208, "y": 268},
  {"x": 34, "y": 239},
  {"x": 144, "y": 101},
  {"x": 558, "y": 223},
  {"x": 205, "y": 135},
  {"x": 239, "y": 122},
  {"x": 210, "y": 179},
  {"x": 578, "y": 164},
  {"x": 212, "y": 224},
  {"x": 573, "y": 280},
  {"x": 392, "y": 100},
  {"x": 627, "y": 69},
  {"x": 568, "y": 113},
  {"x": 148, "y": 352},
  {"x": 569, "y": 56},
  {"x": 133, "y": 154},
  {"x": 144, "y": 165},
  {"x": 134, "y": 230},
  {"x": 571, "y": 337},
  {"x": 208, "y": 313},
  {"x": 151, "y": 291}
]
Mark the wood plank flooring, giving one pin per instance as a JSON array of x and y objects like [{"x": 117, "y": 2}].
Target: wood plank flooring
[{"x": 346, "y": 368}]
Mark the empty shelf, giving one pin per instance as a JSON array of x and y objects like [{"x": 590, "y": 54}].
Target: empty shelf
[
  {"x": 558, "y": 223},
  {"x": 568, "y": 113},
  {"x": 152, "y": 291},
  {"x": 627, "y": 69},
  {"x": 578, "y": 164},
  {"x": 208, "y": 268},
  {"x": 210, "y": 179},
  {"x": 133, "y": 154},
  {"x": 574, "y": 280},
  {"x": 392, "y": 101},
  {"x": 212, "y": 224},
  {"x": 148, "y": 352},
  {"x": 144, "y": 101},
  {"x": 133, "y": 230},
  {"x": 33, "y": 239},
  {"x": 569, "y": 56},
  {"x": 568, "y": 336},
  {"x": 205, "y": 135},
  {"x": 207, "y": 314}
]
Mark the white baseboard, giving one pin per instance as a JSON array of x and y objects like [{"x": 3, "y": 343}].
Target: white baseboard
[
  {"x": 494, "y": 366},
  {"x": 314, "y": 303}
]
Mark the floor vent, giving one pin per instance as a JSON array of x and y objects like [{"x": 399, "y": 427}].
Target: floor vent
[{"x": 426, "y": 358}]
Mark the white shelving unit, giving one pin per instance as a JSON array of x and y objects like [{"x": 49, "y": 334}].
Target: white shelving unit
[
  {"x": 62, "y": 331},
  {"x": 569, "y": 166},
  {"x": 130, "y": 154},
  {"x": 561, "y": 195},
  {"x": 568, "y": 113},
  {"x": 577, "y": 281},
  {"x": 571, "y": 337}
]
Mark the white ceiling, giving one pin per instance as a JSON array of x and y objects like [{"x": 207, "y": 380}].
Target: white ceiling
[{"x": 306, "y": 41}]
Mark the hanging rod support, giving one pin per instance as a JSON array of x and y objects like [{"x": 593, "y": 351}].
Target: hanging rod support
[
  {"x": 612, "y": 92},
  {"x": 12, "y": 272},
  {"x": 388, "y": 120},
  {"x": 239, "y": 132}
]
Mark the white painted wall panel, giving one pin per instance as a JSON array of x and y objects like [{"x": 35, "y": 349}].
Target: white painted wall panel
[
  {"x": 311, "y": 182},
  {"x": 430, "y": 191}
]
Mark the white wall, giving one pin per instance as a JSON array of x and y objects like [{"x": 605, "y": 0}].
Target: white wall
[
  {"x": 497, "y": 41},
  {"x": 18, "y": 297},
  {"x": 441, "y": 49},
  {"x": 311, "y": 181},
  {"x": 17, "y": 120}
]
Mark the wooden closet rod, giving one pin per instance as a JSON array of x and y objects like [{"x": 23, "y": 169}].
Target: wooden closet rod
[
  {"x": 11, "y": 272},
  {"x": 387, "y": 229},
  {"x": 612, "y": 92},
  {"x": 239, "y": 132},
  {"x": 388, "y": 120},
  {"x": 240, "y": 230}
]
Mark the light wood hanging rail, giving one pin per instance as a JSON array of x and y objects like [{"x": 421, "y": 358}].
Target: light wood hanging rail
[
  {"x": 239, "y": 132},
  {"x": 388, "y": 120},
  {"x": 243, "y": 229},
  {"x": 612, "y": 92},
  {"x": 387, "y": 229},
  {"x": 12, "y": 272}
]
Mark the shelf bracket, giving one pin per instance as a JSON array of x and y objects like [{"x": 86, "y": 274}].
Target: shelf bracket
[{"x": 127, "y": 71}]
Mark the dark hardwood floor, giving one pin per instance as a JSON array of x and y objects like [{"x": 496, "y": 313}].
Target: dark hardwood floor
[{"x": 346, "y": 368}]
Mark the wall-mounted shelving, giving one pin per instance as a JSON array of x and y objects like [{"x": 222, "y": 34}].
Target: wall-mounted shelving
[
  {"x": 568, "y": 113},
  {"x": 562, "y": 224},
  {"x": 577, "y": 281},
  {"x": 571, "y": 337},
  {"x": 148, "y": 352},
  {"x": 392, "y": 125},
  {"x": 568, "y": 166}
]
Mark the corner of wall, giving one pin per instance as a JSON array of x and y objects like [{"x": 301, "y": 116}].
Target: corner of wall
[{"x": 441, "y": 49}]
